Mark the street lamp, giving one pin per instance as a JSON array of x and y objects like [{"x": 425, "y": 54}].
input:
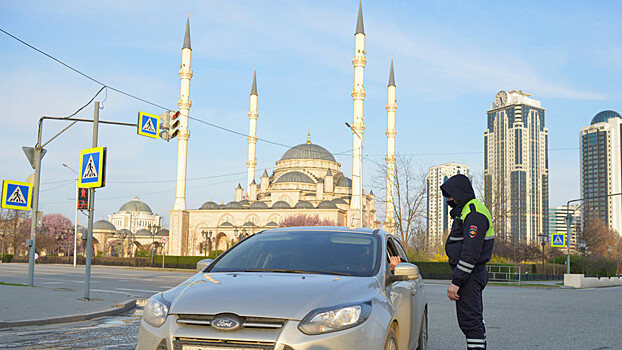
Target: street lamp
[
  {"x": 361, "y": 174},
  {"x": 582, "y": 247},
  {"x": 609, "y": 250},
  {"x": 153, "y": 229},
  {"x": 208, "y": 240},
  {"x": 75, "y": 235},
  {"x": 59, "y": 238},
  {"x": 543, "y": 239},
  {"x": 2, "y": 233}
]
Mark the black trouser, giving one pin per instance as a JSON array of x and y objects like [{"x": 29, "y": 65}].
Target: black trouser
[{"x": 470, "y": 308}]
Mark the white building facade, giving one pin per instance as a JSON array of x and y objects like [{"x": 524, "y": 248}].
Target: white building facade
[
  {"x": 439, "y": 220},
  {"x": 601, "y": 169},
  {"x": 557, "y": 222},
  {"x": 516, "y": 170}
]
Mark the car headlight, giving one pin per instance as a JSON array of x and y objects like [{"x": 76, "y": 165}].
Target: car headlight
[
  {"x": 335, "y": 318},
  {"x": 156, "y": 310}
]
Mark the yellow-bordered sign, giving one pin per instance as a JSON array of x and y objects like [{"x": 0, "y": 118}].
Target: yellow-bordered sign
[
  {"x": 92, "y": 167},
  {"x": 16, "y": 195},
  {"x": 148, "y": 125},
  {"x": 558, "y": 240}
]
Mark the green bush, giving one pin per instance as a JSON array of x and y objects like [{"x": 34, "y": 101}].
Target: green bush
[
  {"x": 7, "y": 257},
  {"x": 142, "y": 253}
]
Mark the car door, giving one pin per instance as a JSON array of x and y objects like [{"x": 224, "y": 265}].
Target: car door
[
  {"x": 399, "y": 293},
  {"x": 417, "y": 301}
]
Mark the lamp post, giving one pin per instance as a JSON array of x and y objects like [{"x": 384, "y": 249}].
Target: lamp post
[
  {"x": 361, "y": 175},
  {"x": 75, "y": 235},
  {"x": 153, "y": 229},
  {"x": 207, "y": 235},
  {"x": 59, "y": 239},
  {"x": 609, "y": 250},
  {"x": 543, "y": 240},
  {"x": 582, "y": 247},
  {"x": 2, "y": 233}
]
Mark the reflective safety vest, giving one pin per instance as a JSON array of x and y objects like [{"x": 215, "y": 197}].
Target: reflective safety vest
[{"x": 480, "y": 208}]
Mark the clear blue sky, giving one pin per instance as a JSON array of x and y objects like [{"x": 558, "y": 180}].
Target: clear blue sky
[{"x": 451, "y": 58}]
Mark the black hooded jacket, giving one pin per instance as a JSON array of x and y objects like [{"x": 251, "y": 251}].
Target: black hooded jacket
[{"x": 466, "y": 246}]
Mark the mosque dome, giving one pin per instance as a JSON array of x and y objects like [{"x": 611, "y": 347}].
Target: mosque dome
[
  {"x": 604, "y": 116},
  {"x": 281, "y": 205},
  {"x": 209, "y": 205},
  {"x": 135, "y": 205},
  {"x": 294, "y": 176},
  {"x": 308, "y": 151},
  {"x": 304, "y": 205},
  {"x": 339, "y": 201},
  {"x": 245, "y": 202},
  {"x": 327, "y": 205},
  {"x": 233, "y": 205},
  {"x": 226, "y": 224},
  {"x": 162, "y": 232},
  {"x": 125, "y": 232},
  {"x": 259, "y": 205},
  {"x": 344, "y": 182},
  {"x": 249, "y": 224},
  {"x": 103, "y": 225},
  {"x": 272, "y": 224},
  {"x": 143, "y": 232}
]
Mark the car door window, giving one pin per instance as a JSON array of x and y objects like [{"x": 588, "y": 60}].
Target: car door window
[{"x": 401, "y": 251}]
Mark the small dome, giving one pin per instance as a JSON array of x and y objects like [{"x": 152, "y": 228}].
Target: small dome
[
  {"x": 226, "y": 224},
  {"x": 259, "y": 205},
  {"x": 135, "y": 205},
  {"x": 245, "y": 202},
  {"x": 304, "y": 205},
  {"x": 143, "y": 232},
  {"x": 344, "y": 182},
  {"x": 233, "y": 205},
  {"x": 249, "y": 224},
  {"x": 162, "y": 232},
  {"x": 125, "y": 232},
  {"x": 339, "y": 201},
  {"x": 294, "y": 176},
  {"x": 209, "y": 205},
  {"x": 327, "y": 205},
  {"x": 281, "y": 205},
  {"x": 102, "y": 225},
  {"x": 604, "y": 116},
  {"x": 272, "y": 224},
  {"x": 308, "y": 151}
]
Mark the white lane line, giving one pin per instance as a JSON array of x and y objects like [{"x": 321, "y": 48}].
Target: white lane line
[
  {"x": 139, "y": 290},
  {"x": 52, "y": 282}
]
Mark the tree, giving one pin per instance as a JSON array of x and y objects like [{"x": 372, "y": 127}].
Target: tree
[
  {"x": 305, "y": 220},
  {"x": 16, "y": 227},
  {"x": 597, "y": 237},
  {"x": 410, "y": 201},
  {"x": 56, "y": 234}
]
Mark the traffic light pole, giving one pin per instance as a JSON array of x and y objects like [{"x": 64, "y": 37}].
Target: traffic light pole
[{"x": 89, "y": 237}]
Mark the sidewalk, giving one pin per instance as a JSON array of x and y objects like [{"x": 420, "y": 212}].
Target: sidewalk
[{"x": 28, "y": 306}]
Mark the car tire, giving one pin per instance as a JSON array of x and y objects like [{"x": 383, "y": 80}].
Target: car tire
[
  {"x": 423, "y": 332},
  {"x": 391, "y": 342}
]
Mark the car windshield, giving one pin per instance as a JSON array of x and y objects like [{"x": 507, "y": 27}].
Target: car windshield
[{"x": 322, "y": 252}]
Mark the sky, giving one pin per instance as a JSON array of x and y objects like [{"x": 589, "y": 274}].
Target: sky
[{"x": 451, "y": 58}]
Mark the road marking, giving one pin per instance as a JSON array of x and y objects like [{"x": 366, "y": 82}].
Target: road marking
[
  {"x": 52, "y": 282},
  {"x": 139, "y": 290}
]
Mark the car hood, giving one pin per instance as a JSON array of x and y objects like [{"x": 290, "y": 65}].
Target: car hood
[{"x": 273, "y": 295}]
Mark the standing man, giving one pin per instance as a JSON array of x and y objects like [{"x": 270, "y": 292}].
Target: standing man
[{"x": 469, "y": 248}]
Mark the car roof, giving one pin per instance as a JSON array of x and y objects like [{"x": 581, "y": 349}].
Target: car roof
[{"x": 342, "y": 229}]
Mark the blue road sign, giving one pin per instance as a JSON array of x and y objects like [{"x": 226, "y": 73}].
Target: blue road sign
[
  {"x": 92, "y": 167},
  {"x": 16, "y": 195},
  {"x": 148, "y": 125},
  {"x": 558, "y": 240}
]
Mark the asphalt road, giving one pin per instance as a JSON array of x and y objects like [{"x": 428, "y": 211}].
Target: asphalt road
[{"x": 516, "y": 318}]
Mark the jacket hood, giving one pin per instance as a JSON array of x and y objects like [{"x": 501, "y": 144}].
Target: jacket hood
[{"x": 459, "y": 188}]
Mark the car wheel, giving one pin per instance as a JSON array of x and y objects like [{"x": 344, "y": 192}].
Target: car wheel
[
  {"x": 391, "y": 342},
  {"x": 423, "y": 332}
]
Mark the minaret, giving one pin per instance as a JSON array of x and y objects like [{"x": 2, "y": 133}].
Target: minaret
[
  {"x": 185, "y": 73},
  {"x": 389, "y": 221},
  {"x": 251, "y": 163},
  {"x": 358, "y": 126}
]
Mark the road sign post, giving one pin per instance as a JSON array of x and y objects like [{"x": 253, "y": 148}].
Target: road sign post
[
  {"x": 92, "y": 177},
  {"x": 558, "y": 240},
  {"x": 164, "y": 241},
  {"x": 148, "y": 125}
]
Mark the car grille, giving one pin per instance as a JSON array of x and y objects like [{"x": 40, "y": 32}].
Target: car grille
[
  {"x": 249, "y": 322},
  {"x": 178, "y": 344}
]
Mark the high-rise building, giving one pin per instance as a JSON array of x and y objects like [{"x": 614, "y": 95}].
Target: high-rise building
[
  {"x": 601, "y": 169},
  {"x": 439, "y": 220},
  {"x": 516, "y": 166},
  {"x": 557, "y": 221}
]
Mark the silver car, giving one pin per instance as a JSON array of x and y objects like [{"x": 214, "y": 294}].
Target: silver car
[{"x": 294, "y": 289}]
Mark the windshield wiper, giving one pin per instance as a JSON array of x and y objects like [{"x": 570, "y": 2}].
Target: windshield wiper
[{"x": 317, "y": 272}]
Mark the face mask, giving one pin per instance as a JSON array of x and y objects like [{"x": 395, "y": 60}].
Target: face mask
[{"x": 451, "y": 204}]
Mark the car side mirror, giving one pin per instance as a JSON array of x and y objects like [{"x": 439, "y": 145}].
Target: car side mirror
[
  {"x": 202, "y": 264},
  {"x": 406, "y": 272}
]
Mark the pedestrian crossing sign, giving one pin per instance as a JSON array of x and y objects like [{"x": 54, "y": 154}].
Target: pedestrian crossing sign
[
  {"x": 558, "y": 240},
  {"x": 148, "y": 125},
  {"x": 92, "y": 167},
  {"x": 16, "y": 195}
]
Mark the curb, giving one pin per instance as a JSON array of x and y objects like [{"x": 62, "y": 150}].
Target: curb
[{"x": 117, "y": 309}]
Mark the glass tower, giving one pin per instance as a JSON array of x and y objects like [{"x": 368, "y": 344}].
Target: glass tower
[{"x": 516, "y": 167}]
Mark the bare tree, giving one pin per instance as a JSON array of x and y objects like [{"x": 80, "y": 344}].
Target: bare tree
[
  {"x": 597, "y": 236},
  {"x": 16, "y": 227},
  {"x": 410, "y": 201}
]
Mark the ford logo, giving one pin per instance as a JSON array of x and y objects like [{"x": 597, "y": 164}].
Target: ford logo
[{"x": 227, "y": 322}]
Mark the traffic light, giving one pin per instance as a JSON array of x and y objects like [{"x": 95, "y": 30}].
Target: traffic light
[
  {"x": 175, "y": 121},
  {"x": 169, "y": 125}
]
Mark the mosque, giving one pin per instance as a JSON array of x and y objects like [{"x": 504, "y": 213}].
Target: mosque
[{"x": 307, "y": 179}]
